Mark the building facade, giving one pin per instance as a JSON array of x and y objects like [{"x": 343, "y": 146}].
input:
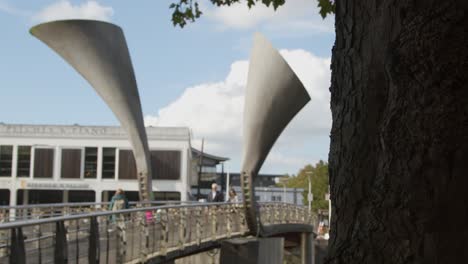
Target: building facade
[
  {"x": 262, "y": 180},
  {"x": 54, "y": 163},
  {"x": 211, "y": 171}
]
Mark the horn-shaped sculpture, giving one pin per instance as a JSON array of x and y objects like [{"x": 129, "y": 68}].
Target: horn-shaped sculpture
[
  {"x": 98, "y": 51},
  {"x": 274, "y": 95}
]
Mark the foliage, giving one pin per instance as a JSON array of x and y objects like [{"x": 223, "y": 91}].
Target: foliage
[
  {"x": 319, "y": 180},
  {"x": 326, "y": 7},
  {"x": 189, "y": 10}
]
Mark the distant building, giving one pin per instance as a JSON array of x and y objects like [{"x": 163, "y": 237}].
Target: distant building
[
  {"x": 267, "y": 191},
  {"x": 262, "y": 180},
  {"x": 275, "y": 194},
  {"x": 212, "y": 171},
  {"x": 55, "y": 163}
]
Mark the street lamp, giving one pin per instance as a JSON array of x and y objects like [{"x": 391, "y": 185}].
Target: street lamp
[
  {"x": 310, "y": 196},
  {"x": 284, "y": 192}
]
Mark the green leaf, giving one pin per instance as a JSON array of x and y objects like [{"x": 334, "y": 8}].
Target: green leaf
[{"x": 326, "y": 7}]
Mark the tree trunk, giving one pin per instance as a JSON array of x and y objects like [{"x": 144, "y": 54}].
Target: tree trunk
[{"x": 399, "y": 141}]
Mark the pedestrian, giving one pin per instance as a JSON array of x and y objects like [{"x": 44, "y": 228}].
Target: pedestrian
[
  {"x": 118, "y": 202},
  {"x": 233, "y": 196},
  {"x": 215, "y": 196}
]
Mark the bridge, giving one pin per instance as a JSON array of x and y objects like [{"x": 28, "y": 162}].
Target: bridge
[{"x": 89, "y": 233}]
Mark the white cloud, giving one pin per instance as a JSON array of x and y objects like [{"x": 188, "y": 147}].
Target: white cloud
[
  {"x": 297, "y": 15},
  {"x": 64, "y": 9},
  {"x": 9, "y": 9},
  {"x": 214, "y": 111}
]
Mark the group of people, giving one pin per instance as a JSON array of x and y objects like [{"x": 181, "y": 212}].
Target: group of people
[
  {"x": 216, "y": 196},
  {"x": 120, "y": 202}
]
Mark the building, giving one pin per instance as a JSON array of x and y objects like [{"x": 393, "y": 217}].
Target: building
[
  {"x": 208, "y": 174},
  {"x": 266, "y": 189},
  {"x": 262, "y": 180},
  {"x": 54, "y": 163},
  {"x": 275, "y": 194},
  {"x": 212, "y": 171}
]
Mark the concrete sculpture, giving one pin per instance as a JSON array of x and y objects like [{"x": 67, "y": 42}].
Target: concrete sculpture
[
  {"x": 98, "y": 51},
  {"x": 274, "y": 95}
]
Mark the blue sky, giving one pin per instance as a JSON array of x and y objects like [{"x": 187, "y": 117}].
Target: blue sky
[{"x": 173, "y": 68}]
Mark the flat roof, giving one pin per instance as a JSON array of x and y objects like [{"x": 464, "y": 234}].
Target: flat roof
[
  {"x": 236, "y": 174},
  {"x": 209, "y": 156},
  {"x": 92, "y": 132}
]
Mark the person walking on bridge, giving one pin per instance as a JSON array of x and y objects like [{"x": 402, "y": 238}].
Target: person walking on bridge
[
  {"x": 119, "y": 202},
  {"x": 215, "y": 196},
  {"x": 232, "y": 196}
]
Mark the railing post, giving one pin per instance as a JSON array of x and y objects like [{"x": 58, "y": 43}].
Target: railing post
[
  {"x": 94, "y": 248},
  {"x": 284, "y": 214},
  {"x": 37, "y": 231},
  {"x": 277, "y": 214},
  {"x": 198, "y": 215},
  {"x": 107, "y": 239},
  {"x": 61, "y": 248},
  {"x": 122, "y": 237},
  {"x": 182, "y": 227},
  {"x": 77, "y": 238},
  {"x": 164, "y": 232},
  {"x": 296, "y": 214},
  {"x": 17, "y": 249},
  {"x": 214, "y": 222},
  {"x": 269, "y": 216},
  {"x": 243, "y": 220},
  {"x": 229, "y": 213},
  {"x": 144, "y": 238}
]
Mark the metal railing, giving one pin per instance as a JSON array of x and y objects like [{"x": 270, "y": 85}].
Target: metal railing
[
  {"x": 134, "y": 235},
  {"x": 35, "y": 211}
]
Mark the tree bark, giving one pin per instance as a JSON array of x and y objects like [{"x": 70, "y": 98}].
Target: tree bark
[{"x": 399, "y": 142}]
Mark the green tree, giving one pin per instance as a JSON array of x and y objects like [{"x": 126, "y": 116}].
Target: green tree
[
  {"x": 319, "y": 181},
  {"x": 189, "y": 10}
]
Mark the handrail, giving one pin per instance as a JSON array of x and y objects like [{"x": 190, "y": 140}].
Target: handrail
[
  {"x": 46, "y": 205},
  {"x": 21, "y": 223}
]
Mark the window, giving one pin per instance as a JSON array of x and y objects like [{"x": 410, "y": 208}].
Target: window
[
  {"x": 257, "y": 198},
  {"x": 24, "y": 161},
  {"x": 127, "y": 165},
  {"x": 71, "y": 163},
  {"x": 276, "y": 198},
  {"x": 4, "y": 197},
  {"x": 209, "y": 173},
  {"x": 43, "y": 163},
  {"x": 208, "y": 169},
  {"x": 81, "y": 196},
  {"x": 167, "y": 196},
  {"x": 45, "y": 196},
  {"x": 165, "y": 164},
  {"x": 6, "y": 159},
  {"x": 90, "y": 166},
  {"x": 108, "y": 163}
]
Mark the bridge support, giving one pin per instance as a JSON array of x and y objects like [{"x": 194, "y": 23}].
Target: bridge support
[
  {"x": 307, "y": 248},
  {"x": 252, "y": 251}
]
